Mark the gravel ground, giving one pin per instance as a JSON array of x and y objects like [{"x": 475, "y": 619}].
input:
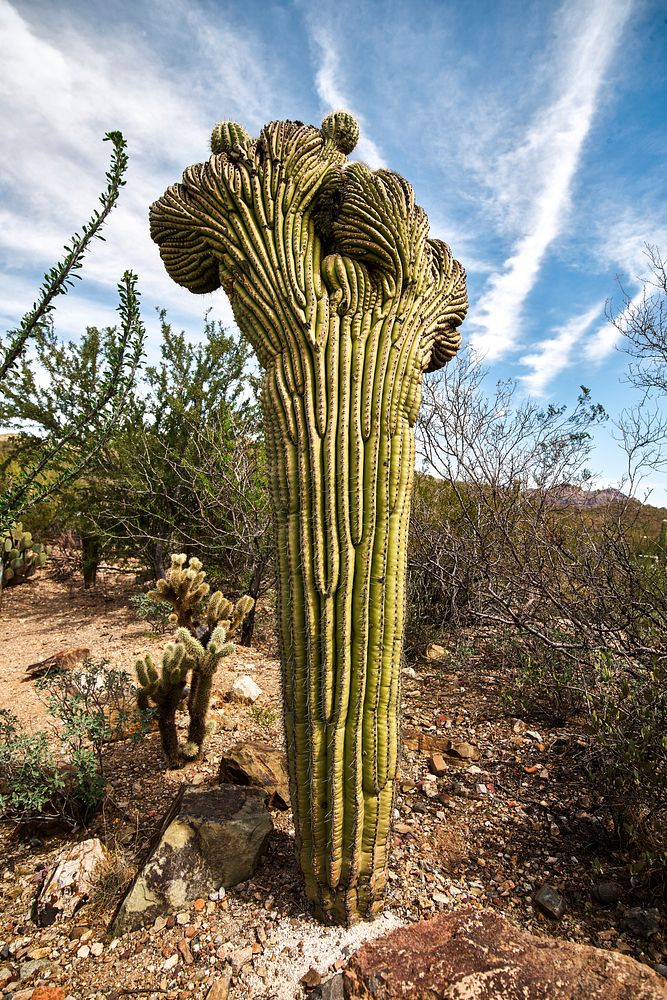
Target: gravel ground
[{"x": 512, "y": 812}]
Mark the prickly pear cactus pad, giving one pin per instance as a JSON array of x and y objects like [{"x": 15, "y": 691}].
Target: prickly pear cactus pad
[{"x": 347, "y": 302}]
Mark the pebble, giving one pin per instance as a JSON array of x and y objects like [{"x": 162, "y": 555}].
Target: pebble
[
  {"x": 170, "y": 963},
  {"x": 96, "y": 949},
  {"x": 607, "y": 893},
  {"x": 641, "y": 923},
  {"x": 83, "y": 952},
  {"x": 550, "y": 902}
]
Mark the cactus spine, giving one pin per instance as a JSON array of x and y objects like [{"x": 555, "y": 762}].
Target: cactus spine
[
  {"x": 334, "y": 280},
  {"x": 200, "y": 642},
  {"x": 20, "y": 556}
]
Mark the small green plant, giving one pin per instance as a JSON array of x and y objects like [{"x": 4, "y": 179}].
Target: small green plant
[
  {"x": 264, "y": 715},
  {"x": 206, "y": 625},
  {"x": 628, "y": 720},
  {"x": 156, "y": 614},
  {"x": 31, "y": 783},
  {"x": 545, "y": 682},
  {"x": 38, "y": 783},
  {"x": 20, "y": 556}
]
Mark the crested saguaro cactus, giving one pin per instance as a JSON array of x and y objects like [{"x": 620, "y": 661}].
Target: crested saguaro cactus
[{"x": 334, "y": 280}]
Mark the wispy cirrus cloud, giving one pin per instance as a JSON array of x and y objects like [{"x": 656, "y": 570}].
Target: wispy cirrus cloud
[
  {"x": 546, "y": 163},
  {"x": 553, "y": 355},
  {"x": 330, "y": 91},
  {"x": 60, "y": 91}
]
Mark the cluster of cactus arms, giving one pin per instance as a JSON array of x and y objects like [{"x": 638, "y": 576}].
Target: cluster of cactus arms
[
  {"x": 346, "y": 300},
  {"x": 206, "y": 626},
  {"x": 20, "y": 555}
]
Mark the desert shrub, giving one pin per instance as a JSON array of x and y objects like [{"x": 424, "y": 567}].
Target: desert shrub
[
  {"x": 155, "y": 614},
  {"x": 628, "y": 714},
  {"x": 35, "y": 787},
  {"x": 92, "y": 706},
  {"x": 545, "y": 681}
]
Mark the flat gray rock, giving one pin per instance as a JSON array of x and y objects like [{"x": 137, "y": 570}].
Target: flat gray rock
[{"x": 209, "y": 838}]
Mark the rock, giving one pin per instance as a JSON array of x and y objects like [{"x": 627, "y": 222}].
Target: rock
[
  {"x": 414, "y": 739},
  {"x": 96, "y": 949},
  {"x": 64, "y": 659},
  {"x": 435, "y": 652},
  {"x": 462, "y": 750},
  {"x": 640, "y": 923},
  {"x": 28, "y": 969},
  {"x": 311, "y": 979},
  {"x": 607, "y": 893},
  {"x": 245, "y": 690},
  {"x": 69, "y": 883},
  {"x": 6, "y": 976},
  {"x": 240, "y": 957},
  {"x": 437, "y": 765},
  {"x": 48, "y": 993},
  {"x": 331, "y": 990},
  {"x": 259, "y": 765},
  {"x": 549, "y": 901},
  {"x": 219, "y": 990},
  {"x": 170, "y": 963},
  {"x": 661, "y": 969},
  {"x": 479, "y": 954},
  {"x": 207, "y": 839}
]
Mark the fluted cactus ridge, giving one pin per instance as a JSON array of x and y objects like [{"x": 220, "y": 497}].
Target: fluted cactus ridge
[
  {"x": 347, "y": 301},
  {"x": 226, "y": 136},
  {"x": 342, "y": 129}
]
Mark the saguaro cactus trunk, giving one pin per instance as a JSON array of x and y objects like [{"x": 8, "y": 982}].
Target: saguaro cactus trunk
[{"x": 346, "y": 300}]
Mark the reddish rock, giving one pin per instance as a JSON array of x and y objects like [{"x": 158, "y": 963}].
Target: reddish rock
[
  {"x": 48, "y": 993},
  {"x": 478, "y": 955}
]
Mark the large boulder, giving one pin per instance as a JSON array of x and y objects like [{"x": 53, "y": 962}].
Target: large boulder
[
  {"x": 260, "y": 765},
  {"x": 478, "y": 955},
  {"x": 209, "y": 838},
  {"x": 70, "y": 882}
]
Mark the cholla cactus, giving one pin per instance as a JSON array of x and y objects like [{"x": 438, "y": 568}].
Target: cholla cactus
[
  {"x": 205, "y": 662},
  {"x": 20, "y": 555},
  {"x": 347, "y": 301},
  {"x": 163, "y": 689},
  {"x": 201, "y": 641},
  {"x": 184, "y": 588}
]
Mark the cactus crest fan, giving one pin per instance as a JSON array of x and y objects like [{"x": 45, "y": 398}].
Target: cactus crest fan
[{"x": 346, "y": 300}]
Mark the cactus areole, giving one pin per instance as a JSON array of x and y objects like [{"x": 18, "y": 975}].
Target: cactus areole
[{"x": 347, "y": 302}]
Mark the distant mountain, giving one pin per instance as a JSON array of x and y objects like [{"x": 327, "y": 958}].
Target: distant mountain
[{"x": 568, "y": 495}]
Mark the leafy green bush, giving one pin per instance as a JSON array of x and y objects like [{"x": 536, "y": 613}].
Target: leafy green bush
[
  {"x": 544, "y": 682},
  {"x": 94, "y": 706},
  {"x": 157, "y": 615},
  {"x": 628, "y": 713}
]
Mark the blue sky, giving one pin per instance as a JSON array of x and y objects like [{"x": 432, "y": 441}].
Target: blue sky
[{"x": 534, "y": 134}]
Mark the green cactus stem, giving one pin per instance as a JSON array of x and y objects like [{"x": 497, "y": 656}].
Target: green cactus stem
[
  {"x": 20, "y": 556},
  {"x": 184, "y": 588},
  {"x": 346, "y": 300},
  {"x": 163, "y": 689},
  {"x": 205, "y": 664}
]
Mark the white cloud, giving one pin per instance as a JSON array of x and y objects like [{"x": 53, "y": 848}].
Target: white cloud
[
  {"x": 604, "y": 340},
  {"x": 60, "y": 91},
  {"x": 546, "y": 164},
  {"x": 329, "y": 90},
  {"x": 554, "y": 354}
]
